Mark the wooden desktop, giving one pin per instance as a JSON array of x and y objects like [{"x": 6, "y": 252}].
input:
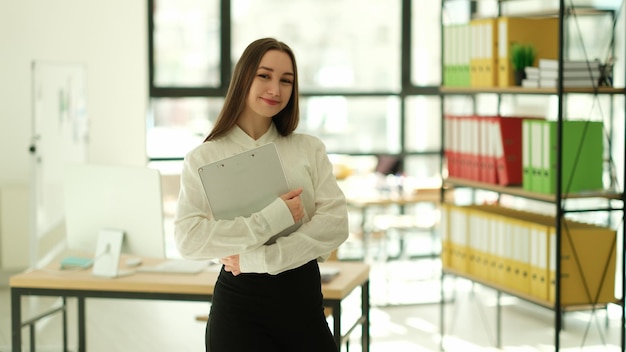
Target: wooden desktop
[{"x": 51, "y": 281}]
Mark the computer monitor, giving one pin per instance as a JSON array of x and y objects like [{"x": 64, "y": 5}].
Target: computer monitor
[{"x": 126, "y": 198}]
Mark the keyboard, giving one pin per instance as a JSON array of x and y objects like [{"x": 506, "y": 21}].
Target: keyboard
[{"x": 176, "y": 266}]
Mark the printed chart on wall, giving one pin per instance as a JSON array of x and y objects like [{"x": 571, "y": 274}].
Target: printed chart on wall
[{"x": 60, "y": 136}]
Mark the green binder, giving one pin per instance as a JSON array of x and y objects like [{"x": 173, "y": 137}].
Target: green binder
[
  {"x": 582, "y": 156},
  {"x": 527, "y": 171},
  {"x": 536, "y": 156}
]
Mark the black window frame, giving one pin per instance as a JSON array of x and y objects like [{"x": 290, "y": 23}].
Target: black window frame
[{"x": 407, "y": 89}]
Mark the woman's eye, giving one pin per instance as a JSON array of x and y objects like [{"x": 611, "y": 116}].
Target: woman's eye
[
  {"x": 286, "y": 80},
  {"x": 263, "y": 75}
]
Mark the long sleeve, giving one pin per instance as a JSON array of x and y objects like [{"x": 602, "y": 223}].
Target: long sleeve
[
  {"x": 326, "y": 223},
  {"x": 199, "y": 236}
]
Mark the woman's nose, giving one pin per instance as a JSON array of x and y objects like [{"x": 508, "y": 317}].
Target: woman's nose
[{"x": 274, "y": 88}]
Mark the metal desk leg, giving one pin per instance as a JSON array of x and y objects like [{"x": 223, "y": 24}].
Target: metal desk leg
[
  {"x": 16, "y": 320},
  {"x": 82, "y": 343},
  {"x": 64, "y": 323},
  {"x": 337, "y": 323},
  {"x": 442, "y": 311},
  {"x": 365, "y": 310},
  {"x": 499, "y": 321},
  {"x": 31, "y": 334},
  {"x": 364, "y": 234}
]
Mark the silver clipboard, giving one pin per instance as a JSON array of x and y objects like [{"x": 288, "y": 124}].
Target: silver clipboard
[{"x": 245, "y": 183}]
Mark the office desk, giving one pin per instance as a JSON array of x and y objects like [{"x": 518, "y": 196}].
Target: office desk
[
  {"x": 422, "y": 195},
  {"x": 365, "y": 204},
  {"x": 149, "y": 286}
]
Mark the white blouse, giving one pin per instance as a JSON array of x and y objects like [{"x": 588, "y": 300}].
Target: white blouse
[{"x": 325, "y": 225}]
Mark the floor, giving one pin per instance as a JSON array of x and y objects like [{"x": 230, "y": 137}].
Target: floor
[{"x": 405, "y": 316}]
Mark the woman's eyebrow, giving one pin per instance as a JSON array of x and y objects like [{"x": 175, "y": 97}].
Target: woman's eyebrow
[{"x": 272, "y": 70}]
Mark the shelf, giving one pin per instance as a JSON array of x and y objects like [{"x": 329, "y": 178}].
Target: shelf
[
  {"x": 520, "y": 192},
  {"x": 526, "y": 297},
  {"x": 569, "y": 11},
  {"x": 522, "y": 90},
  {"x": 578, "y": 10}
]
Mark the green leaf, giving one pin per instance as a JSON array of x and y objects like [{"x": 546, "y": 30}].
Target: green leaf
[{"x": 522, "y": 55}]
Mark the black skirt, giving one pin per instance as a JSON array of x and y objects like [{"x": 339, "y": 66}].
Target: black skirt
[{"x": 262, "y": 312}]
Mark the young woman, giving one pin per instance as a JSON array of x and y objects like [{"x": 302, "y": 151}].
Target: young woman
[{"x": 268, "y": 294}]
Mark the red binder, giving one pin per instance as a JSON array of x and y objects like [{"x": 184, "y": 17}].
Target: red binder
[
  {"x": 462, "y": 152},
  {"x": 488, "y": 149},
  {"x": 471, "y": 150},
  {"x": 451, "y": 143},
  {"x": 474, "y": 154},
  {"x": 509, "y": 150}
]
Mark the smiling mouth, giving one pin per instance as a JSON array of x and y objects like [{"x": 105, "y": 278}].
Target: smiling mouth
[{"x": 271, "y": 101}]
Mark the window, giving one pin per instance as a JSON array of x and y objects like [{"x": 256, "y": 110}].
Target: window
[
  {"x": 423, "y": 123},
  {"x": 186, "y": 44},
  {"x": 351, "y": 59},
  {"x": 425, "y": 49},
  {"x": 176, "y": 125},
  {"x": 347, "y": 45},
  {"x": 353, "y": 124}
]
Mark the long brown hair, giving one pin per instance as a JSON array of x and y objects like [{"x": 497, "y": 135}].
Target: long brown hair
[{"x": 286, "y": 120}]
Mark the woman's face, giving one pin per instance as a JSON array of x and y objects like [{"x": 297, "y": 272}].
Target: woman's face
[{"x": 272, "y": 84}]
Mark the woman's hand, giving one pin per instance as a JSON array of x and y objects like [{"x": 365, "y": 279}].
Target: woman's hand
[
  {"x": 231, "y": 264},
  {"x": 294, "y": 203}
]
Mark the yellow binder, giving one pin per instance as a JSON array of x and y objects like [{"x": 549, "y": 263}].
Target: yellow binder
[
  {"x": 493, "y": 249},
  {"x": 458, "y": 238},
  {"x": 444, "y": 230},
  {"x": 587, "y": 264},
  {"x": 542, "y": 33},
  {"x": 539, "y": 242},
  {"x": 587, "y": 260},
  {"x": 475, "y": 52},
  {"x": 474, "y": 259},
  {"x": 483, "y": 58},
  {"x": 490, "y": 50},
  {"x": 516, "y": 276},
  {"x": 478, "y": 242}
]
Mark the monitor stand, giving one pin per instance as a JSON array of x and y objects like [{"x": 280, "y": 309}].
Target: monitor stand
[{"x": 107, "y": 257}]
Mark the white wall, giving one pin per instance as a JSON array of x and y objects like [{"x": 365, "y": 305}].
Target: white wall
[{"x": 110, "y": 38}]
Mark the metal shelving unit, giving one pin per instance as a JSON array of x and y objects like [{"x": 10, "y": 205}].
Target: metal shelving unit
[{"x": 615, "y": 200}]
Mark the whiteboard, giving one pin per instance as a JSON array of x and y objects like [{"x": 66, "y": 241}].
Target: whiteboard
[{"x": 59, "y": 137}]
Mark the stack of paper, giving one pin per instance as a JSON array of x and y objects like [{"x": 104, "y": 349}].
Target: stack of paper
[
  {"x": 579, "y": 73},
  {"x": 532, "y": 77}
]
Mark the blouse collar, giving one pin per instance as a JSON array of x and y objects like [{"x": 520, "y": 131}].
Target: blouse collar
[{"x": 240, "y": 137}]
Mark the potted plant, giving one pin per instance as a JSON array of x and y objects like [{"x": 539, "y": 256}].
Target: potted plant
[{"x": 522, "y": 55}]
